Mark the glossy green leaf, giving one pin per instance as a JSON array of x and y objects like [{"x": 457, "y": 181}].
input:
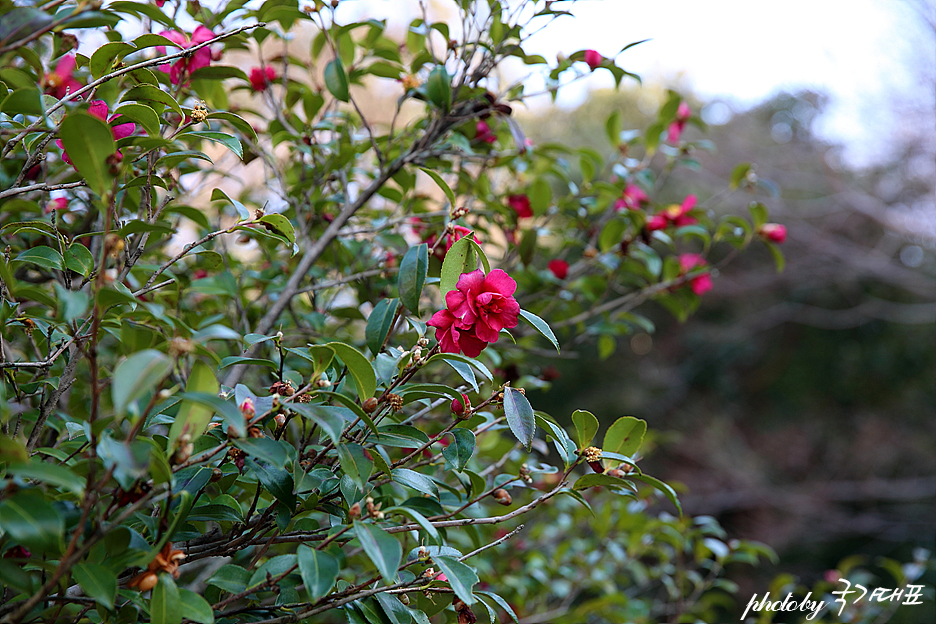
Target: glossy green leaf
[
  {"x": 28, "y": 519},
  {"x": 439, "y": 88},
  {"x": 232, "y": 417},
  {"x": 586, "y": 426},
  {"x": 667, "y": 490},
  {"x": 519, "y": 416},
  {"x": 419, "y": 482},
  {"x": 194, "y": 607},
  {"x": 365, "y": 379},
  {"x": 102, "y": 61},
  {"x": 412, "y": 276},
  {"x": 53, "y": 474},
  {"x": 149, "y": 93},
  {"x": 460, "y": 450},
  {"x": 269, "y": 450},
  {"x": 221, "y": 138},
  {"x": 193, "y": 418},
  {"x": 541, "y": 326},
  {"x": 91, "y": 143},
  {"x": 593, "y": 479},
  {"x": 459, "y": 259},
  {"x": 165, "y": 605},
  {"x": 382, "y": 548},
  {"x": 98, "y": 582},
  {"x": 140, "y": 373},
  {"x": 625, "y": 435},
  {"x": 79, "y": 259},
  {"x": 441, "y": 184},
  {"x": 336, "y": 80},
  {"x": 319, "y": 571},
  {"x": 230, "y": 578},
  {"x": 276, "y": 481},
  {"x": 461, "y": 577},
  {"x": 355, "y": 464},
  {"x": 42, "y": 256},
  {"x": 380, "y": 322}
]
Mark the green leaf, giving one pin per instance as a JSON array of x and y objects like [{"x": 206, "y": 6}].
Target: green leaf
[
  {"x": 625, "y": 436},
  {"x": 149, "y": 93},
  {"x": 336, "y": 80},
  {"x": 365, "y": 379},
  {"x": 325, "y": 416},
  {"x": 541, "y": 326},
  {"x": 79, "y": 259},
  {"x": 611, "y": 235},
  {"x": 231, "y": 360},
  {"x": 165, "y": 606},
  {"x": 238, "y": 122},
  {"x": 91, "y": 143},
  {"x": 439, "y": 88},
  {"x": 193, "y": 418},
  {"x": 355, "y": 464},
  {"x": 28, "y": 519},
  {"x": 540, "y": 196},
  {"x": 277, "y": 482},
  {"x": 269, "y": 450},
  {"x": 382, "y": 549},
  {"x": 72, "y": 303},
  {"x": 420, "y": 520},
  {"x": 458, "y": 260},
  {"x": 441, "y": 184},
  {"x": 195, "y": 608},
  {"x": 228, "y": 141},
  {"x": 379, "y": 323},
  {"x": 519, "y": 416},
  {"x": 98, "y": 582},
  {"x": 668, "y": 491},
  {"x": 419, "y": 482},
  {"x": 54, "y": 474},
  {"x": 319, "y": 571},
  {"x": 412, "y": 276},
  {"x": 279, "y": 225},
  {"x": 461, "y": 577},
  {"x": 43, "y": 256},
  {"x": 593, "y": 479},
  {"x": 140, "y": 373},
  {"x": 586, "y": 426},
  {"x": 230, "y": 578},
  {"x": 219, "y": 195},
  {"x": 232, "y": 417},
  {"x": 461, "y": 449},
  {"x": 759, "y": 214},
  {"x": 102, "y": 61},
  {"x": 502, "y": 604},
  {"x": 738, "y": 174}
]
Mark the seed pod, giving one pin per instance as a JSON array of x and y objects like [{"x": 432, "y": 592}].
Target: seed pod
[
  {"x": 370, "y": 405},
  {"x": 148, "y": 582},
  {"x": 404, "y": 599},
  {"x": 502, "y": 496},
  {"x": 616, "y": 472}
]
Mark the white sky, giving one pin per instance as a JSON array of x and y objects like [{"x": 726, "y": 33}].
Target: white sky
[{"x": 866, "y": 54}]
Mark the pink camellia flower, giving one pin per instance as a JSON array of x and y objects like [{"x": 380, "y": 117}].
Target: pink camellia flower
[
  {"x": 486, "y": 301},
  {"x": 593, "y": 59},
  {"x": 559, "y": 268},
  {"x": 521, "y": 205},
  {"x": 700, "y": 284},
  {"x": 483, "y": 133},
  {"x": 677, "y": 215},
  {"x": 160, "y": 3},
  {"x": 633, "y": 198},
  {"x": 683, "y": 113},
  {"x": 476, "y": 311},
  {"x": 459, "y": 406},
  {"x": 186, "y": 65},
  {"x": 774, "y": 232},
  {"x": 458, "y": 233},
  {"x": 262, "y": 78},
  {"x": 59, "y": 203},
  {"x": 99, "y": 109},
  {"x": 60, "y": 81}
]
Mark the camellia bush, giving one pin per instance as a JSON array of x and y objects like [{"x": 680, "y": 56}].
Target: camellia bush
[{"x": 265, "y": 353}]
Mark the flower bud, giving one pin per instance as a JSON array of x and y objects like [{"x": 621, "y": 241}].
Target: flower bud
[
  {"x": 355, "y": 511},
  {"x": 461, "y": 408},
  {"x": 404, "y": 599},
  {"x": 370, "y": 405},
  {"x": 280, "y": 419},
  {"x": 247, "y": 408},
  {"x": 502, "y": 496},
  {"x": 773, "y": 232}
]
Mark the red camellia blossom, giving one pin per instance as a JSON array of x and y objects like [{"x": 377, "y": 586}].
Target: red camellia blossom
[
  {"x": 262, "y": 78},
  {"x": 483, "y": 133},
  {"x": 59, "y": 203},
  {"x": 593, "y": 59},
  {"x": 460, "y": 406},
  {"x": 673, "y": 215},
  {"x": 774, "y": 232},
  {"x": 520, "y": 205},
  {"x": 683, "y": 113},
  {"x": 559, "y": 268},
  {"x": 60, "y": 81},
  {"x": 186, "y": 65},
  {"x": 633, "y": 198},
  {"x": 99, "y": 109},
  {"x": 700, "y": 284},
  {"x": 477, "y": 310}
]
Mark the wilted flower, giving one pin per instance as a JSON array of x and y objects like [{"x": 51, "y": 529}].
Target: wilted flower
[
  {"x": 60, "y": 82},
  {"x": 774, "y": 232},
  {"x": 262, "y": 78},
  {"x": 559, "y": 268},
  {"x": 187, "y": 64},
  {"x": 593, "y": 59},
  {"x": 700, "y": 284},
  {"x": 520, "y": 205}
]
